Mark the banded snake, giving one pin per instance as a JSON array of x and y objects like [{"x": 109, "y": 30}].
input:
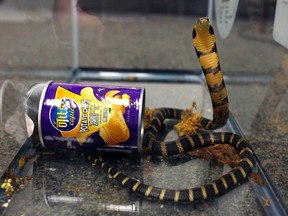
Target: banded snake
[{"x": 205, "y": 46}]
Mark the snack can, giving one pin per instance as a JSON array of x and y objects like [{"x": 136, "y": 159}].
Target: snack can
[{"x": 88, "y": 117}]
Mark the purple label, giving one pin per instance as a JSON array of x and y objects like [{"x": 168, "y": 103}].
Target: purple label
[{"x": 91, "y": 117}]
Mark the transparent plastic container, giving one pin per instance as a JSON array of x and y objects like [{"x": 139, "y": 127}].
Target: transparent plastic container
[{"x": 148, "y": 43}]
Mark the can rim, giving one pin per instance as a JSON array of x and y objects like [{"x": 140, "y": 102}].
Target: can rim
[
  {"x": 141, "y": 121},
  {"x": 40, "y": 112}
]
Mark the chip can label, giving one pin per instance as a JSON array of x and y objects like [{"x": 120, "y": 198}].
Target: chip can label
[{"x": 91, "y": 117}]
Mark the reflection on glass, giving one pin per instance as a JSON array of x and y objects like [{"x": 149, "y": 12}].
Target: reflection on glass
[
  {"x": 11, "y": 112},
  {"x": 68, "y": 14},
  {"x": 58, "y": 184},
  {"x": 271, "y": 115},
  {"x": 100, "y": 206}
]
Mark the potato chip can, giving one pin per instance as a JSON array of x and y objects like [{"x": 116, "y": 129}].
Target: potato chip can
[{"x": 90, "y": 117}]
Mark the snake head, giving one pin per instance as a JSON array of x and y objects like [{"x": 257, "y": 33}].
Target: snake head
[
  {"x": 202, "y": 25},
  {"x": 202, "y": 20}
]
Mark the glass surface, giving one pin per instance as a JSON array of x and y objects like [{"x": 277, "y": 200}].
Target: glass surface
[
  {"x": 65, "y": 182},
  {"x": 46, "y": 40}
]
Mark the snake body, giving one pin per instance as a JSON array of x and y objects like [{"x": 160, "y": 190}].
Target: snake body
[{"x": 205, "y": 46}]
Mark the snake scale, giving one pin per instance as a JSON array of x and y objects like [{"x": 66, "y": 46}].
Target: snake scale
[{"x": 205, "y": 46}]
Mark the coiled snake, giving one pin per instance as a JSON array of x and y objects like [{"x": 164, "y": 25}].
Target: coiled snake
[{"x": 205, "y": 46}]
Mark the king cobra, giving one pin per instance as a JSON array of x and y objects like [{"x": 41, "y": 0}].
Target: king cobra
[{"x": 205, "y": 46}]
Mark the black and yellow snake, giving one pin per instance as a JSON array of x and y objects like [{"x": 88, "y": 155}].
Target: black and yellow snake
[{"x": 205, "y": 46}]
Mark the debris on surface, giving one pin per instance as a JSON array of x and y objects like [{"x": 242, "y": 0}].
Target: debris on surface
[
  {"x": 148, "y": 116},
  {"x": 223, "y": 153},
  {"x": 189, "y": 123},
  {"x": 257, "y": 178}
]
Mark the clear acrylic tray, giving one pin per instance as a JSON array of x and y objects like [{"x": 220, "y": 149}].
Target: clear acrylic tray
[{"x": 65, "y": 183}]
